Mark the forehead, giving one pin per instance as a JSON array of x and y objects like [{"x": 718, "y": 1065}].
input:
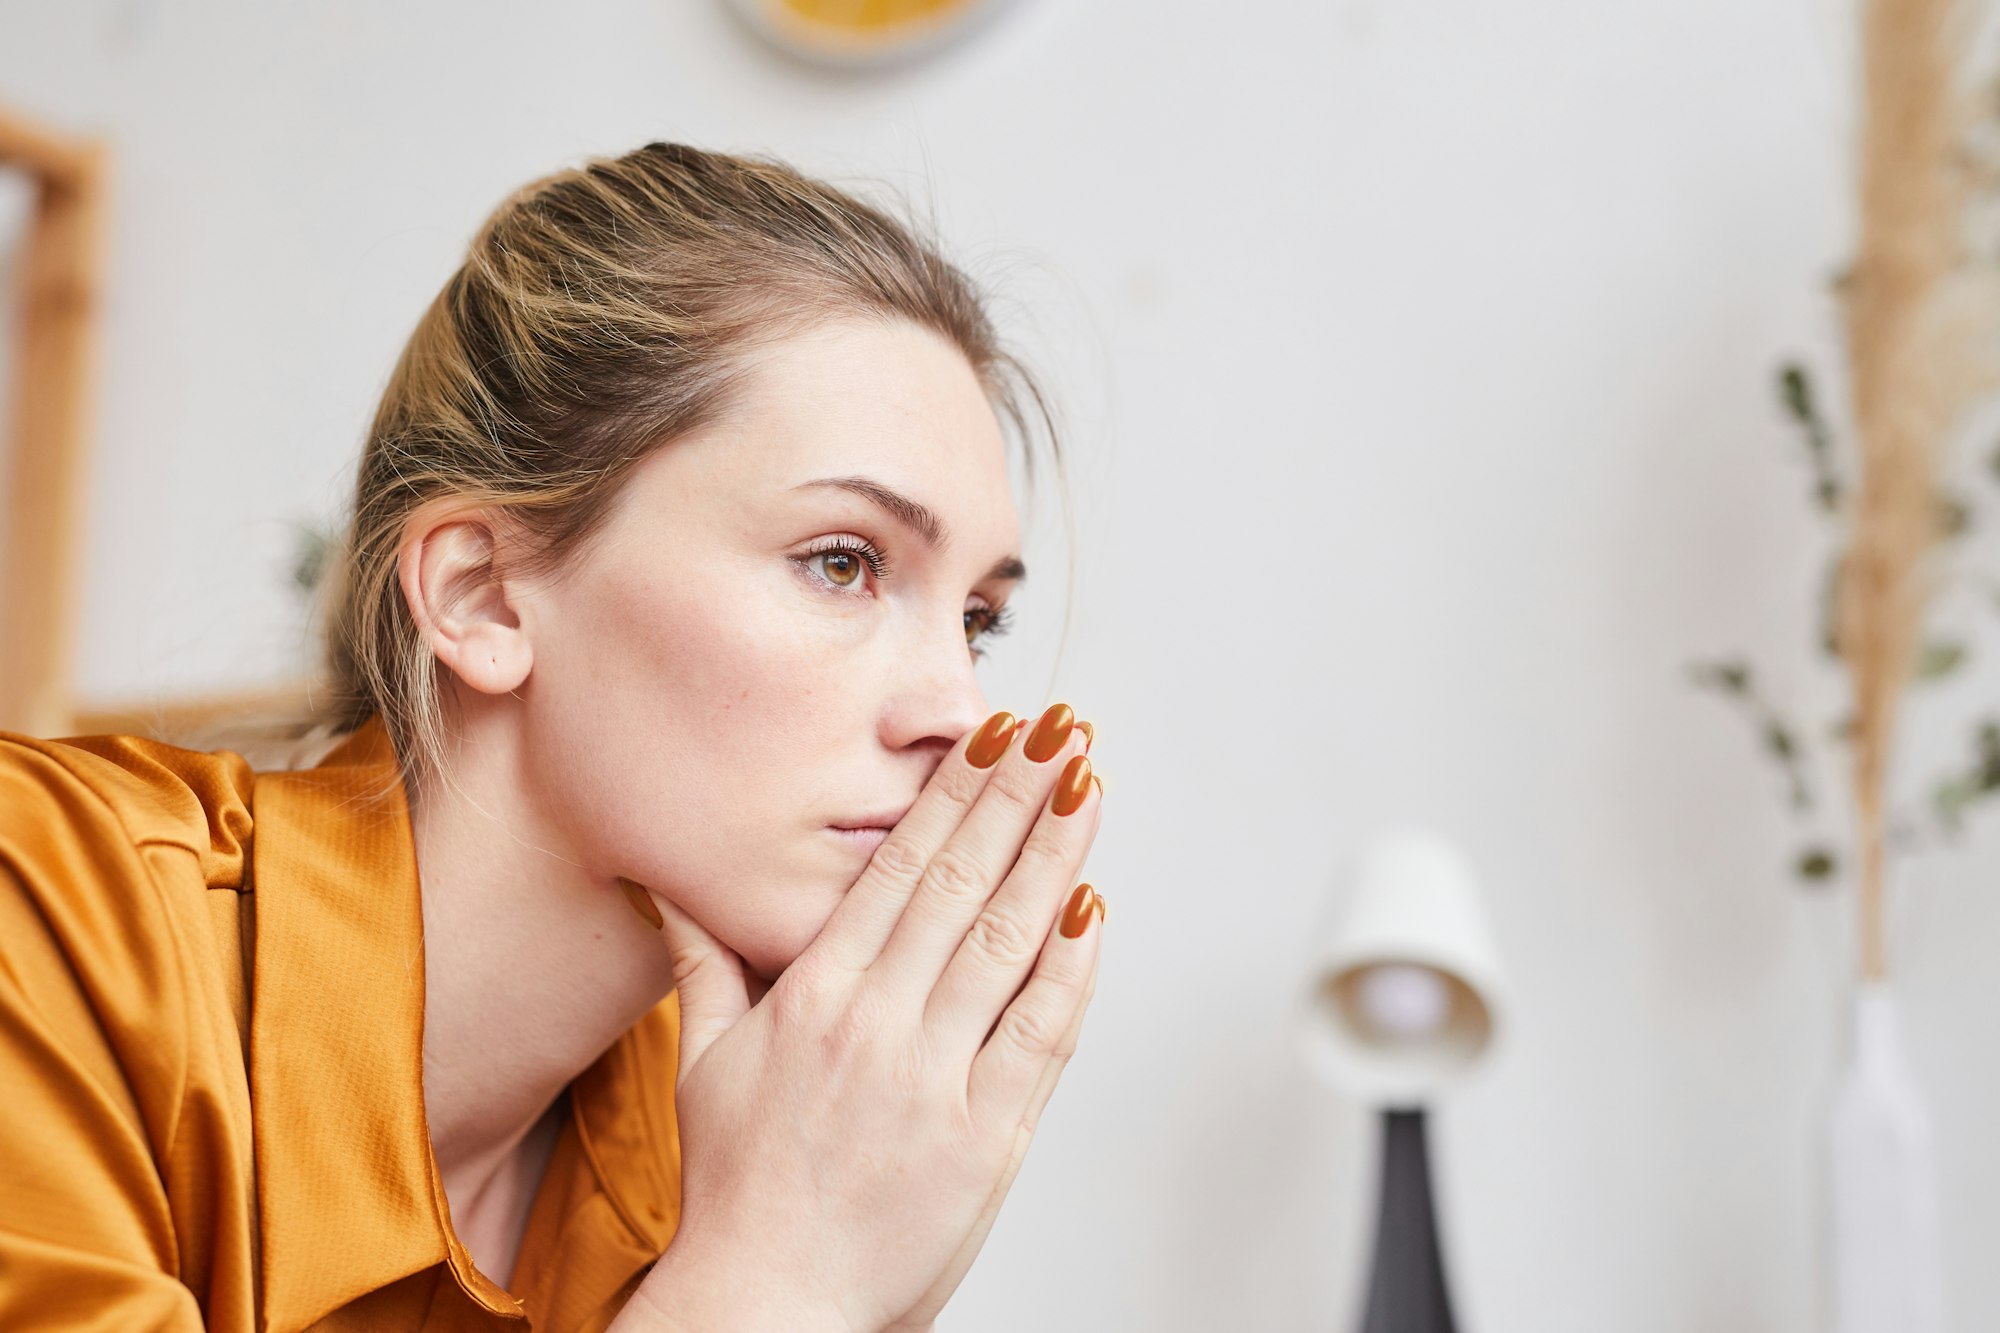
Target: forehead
[{"x": 884, "y": 399}]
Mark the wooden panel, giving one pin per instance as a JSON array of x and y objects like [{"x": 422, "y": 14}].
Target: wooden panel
[{"x": 55, "y": 362}]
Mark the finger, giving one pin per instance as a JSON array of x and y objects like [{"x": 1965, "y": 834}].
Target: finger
[
  {"x": 966, "y": 871},
  {"x": 1024, "y": 1132},
  {"x": 710, "y": 980},
  {"x": 993, "y": 957},
  {"x": 1059, "y": 1058},
  {"x": 1031, "y": 1118},
  {"x": 1035, "y": 1028},
  {"x": 866, "y": 916}
]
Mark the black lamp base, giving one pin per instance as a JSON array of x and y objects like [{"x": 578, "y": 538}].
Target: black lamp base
[{"x": 1406, "y": 1290}]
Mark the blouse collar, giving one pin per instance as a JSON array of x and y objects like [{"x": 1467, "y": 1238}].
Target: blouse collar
[{"x": 348, "y": 1189}]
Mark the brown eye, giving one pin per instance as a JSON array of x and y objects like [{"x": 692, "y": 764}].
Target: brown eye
[
  {"x": 840, "y": 563},
  {"x": 842, "y": 567},
  {"x": 986, "y": 622}
]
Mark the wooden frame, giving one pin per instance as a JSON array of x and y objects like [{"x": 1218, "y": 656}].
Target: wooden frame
[
  {"x": 47, "y": 454},
  {"x": 54, "y": 374}
]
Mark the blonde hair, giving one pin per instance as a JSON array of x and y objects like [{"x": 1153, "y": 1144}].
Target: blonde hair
[{"x": 600, "y": 313}]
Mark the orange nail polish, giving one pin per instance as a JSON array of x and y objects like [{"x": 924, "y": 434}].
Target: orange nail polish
[
  {"x": 1072, "y": 786},
  {"x": 1100, "y": 783},
  {"x": 1089, "y": 734},
  {"x": 1076, "y": 916},
  {"x": 1102, "y": 910},
  {"x": 1051, "y": 733},
  {"x": 995, "y": 734},
  {"x": 642, "y": 903}
]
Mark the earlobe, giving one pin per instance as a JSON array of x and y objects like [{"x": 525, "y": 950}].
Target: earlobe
[{"x": 459, "y": 601}]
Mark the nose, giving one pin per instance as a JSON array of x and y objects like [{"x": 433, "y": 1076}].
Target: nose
[{"x": 934, "y": 698}]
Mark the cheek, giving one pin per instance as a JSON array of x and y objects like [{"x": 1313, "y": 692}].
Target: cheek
[{"x": 684, "y": 741}]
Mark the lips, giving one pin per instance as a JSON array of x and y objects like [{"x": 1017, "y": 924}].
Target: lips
[{"x": 885, "y": 820}]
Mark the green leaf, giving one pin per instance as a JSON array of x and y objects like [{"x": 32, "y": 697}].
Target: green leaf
[
  {"x": 1950, "y": 798},
  {"x": 1815, "y": 865},
  {"x": 1989, "y": 757},
  {"x": 310, "y": 551},
  {"x": 1940, "y": 659},
  {"x": 1954, "y": 517},
  {"x": 1778, "y": 740},
  {"x": 1795, "y": 391},
  {"x": 1829, "y": 605},
  {"x": 1730, "y": 677}
]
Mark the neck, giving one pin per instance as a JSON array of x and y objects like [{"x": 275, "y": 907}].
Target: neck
[{"x": 532, "y": 966}]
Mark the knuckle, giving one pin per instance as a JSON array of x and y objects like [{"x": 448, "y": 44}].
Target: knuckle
[
  {"x": 1003, "y": 938},
  {"x": 1026, "y": 1028},
  {"x": 915, "y": 1070},
  {"x": 1045, "y": 848},
  {"x": 961, "y": 784},
  {"x": 852, "y": 1030},
  {"x": 954, "y": 877},
  {"x": 1063, "y": 971},
  {"x": 1017, "y": 787},
  {"x": 899, "y": 861},
  {"x": 1071, "y": 1036},
  {"x": 795, "y": 997}
]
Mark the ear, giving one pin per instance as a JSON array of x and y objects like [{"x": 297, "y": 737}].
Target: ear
[{"x": 464, "y": 608}]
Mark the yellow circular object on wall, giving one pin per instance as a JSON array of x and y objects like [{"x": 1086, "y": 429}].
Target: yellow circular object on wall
[{"x": 864, "y": 32}]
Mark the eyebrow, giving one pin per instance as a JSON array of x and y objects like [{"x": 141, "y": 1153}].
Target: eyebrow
[{"x": 914, "y": 515}]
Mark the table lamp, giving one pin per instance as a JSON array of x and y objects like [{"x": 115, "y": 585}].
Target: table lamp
[{"x": 1403, "y": 999}]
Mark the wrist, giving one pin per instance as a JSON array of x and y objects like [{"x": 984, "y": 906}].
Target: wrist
[{"x": 690, "y": 1292}]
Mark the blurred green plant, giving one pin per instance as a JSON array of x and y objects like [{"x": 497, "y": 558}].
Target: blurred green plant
[
  {"x": 312, "y": 546},
  {"x": 1793, "y": 747}
]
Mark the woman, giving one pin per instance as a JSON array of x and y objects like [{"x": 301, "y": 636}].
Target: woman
[{"x": 670, "y": 882}]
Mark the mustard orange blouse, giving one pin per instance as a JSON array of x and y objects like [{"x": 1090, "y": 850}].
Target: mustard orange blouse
[{"x": 211, "y": 1093}]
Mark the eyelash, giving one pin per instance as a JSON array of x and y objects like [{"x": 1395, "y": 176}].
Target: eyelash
[{"x": 998, "y": 620}]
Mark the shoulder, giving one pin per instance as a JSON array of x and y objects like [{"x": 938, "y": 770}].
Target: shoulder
[
  {"x": 139, "y": 791},
  {"x": 120, "y": 1052},
  {"x": 110, "y": 849}
]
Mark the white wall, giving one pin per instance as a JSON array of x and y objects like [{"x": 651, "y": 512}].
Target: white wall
[{"x": 1416, "y": 357}]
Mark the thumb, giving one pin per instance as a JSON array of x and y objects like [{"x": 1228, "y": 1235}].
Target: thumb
[{"x": 714, "y": 992}]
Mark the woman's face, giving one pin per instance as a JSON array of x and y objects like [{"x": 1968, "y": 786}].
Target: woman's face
[{"x": 773, "y": 637}]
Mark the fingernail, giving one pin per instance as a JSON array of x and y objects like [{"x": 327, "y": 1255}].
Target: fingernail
[
  {"x": 1100, "y": 783},
  {"x": 1072, "y": 786},
  {"x": 995, "y": 734},
  {"x": 1051, "y": 733},
  {"x": 642, "y": 903},
  {"x": 1102, "y": 910},
  {"x": 1089, "y": 734},
  {"x": 1076, "y": 916}
]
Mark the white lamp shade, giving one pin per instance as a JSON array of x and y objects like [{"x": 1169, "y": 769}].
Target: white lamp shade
[{"x": 1405, "y": 996}]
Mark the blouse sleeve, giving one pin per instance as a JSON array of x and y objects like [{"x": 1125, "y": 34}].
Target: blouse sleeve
[{"x": 87, "y": 1054}]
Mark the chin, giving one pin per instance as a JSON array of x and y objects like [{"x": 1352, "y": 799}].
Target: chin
[{"x": 778, "y": 950}]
